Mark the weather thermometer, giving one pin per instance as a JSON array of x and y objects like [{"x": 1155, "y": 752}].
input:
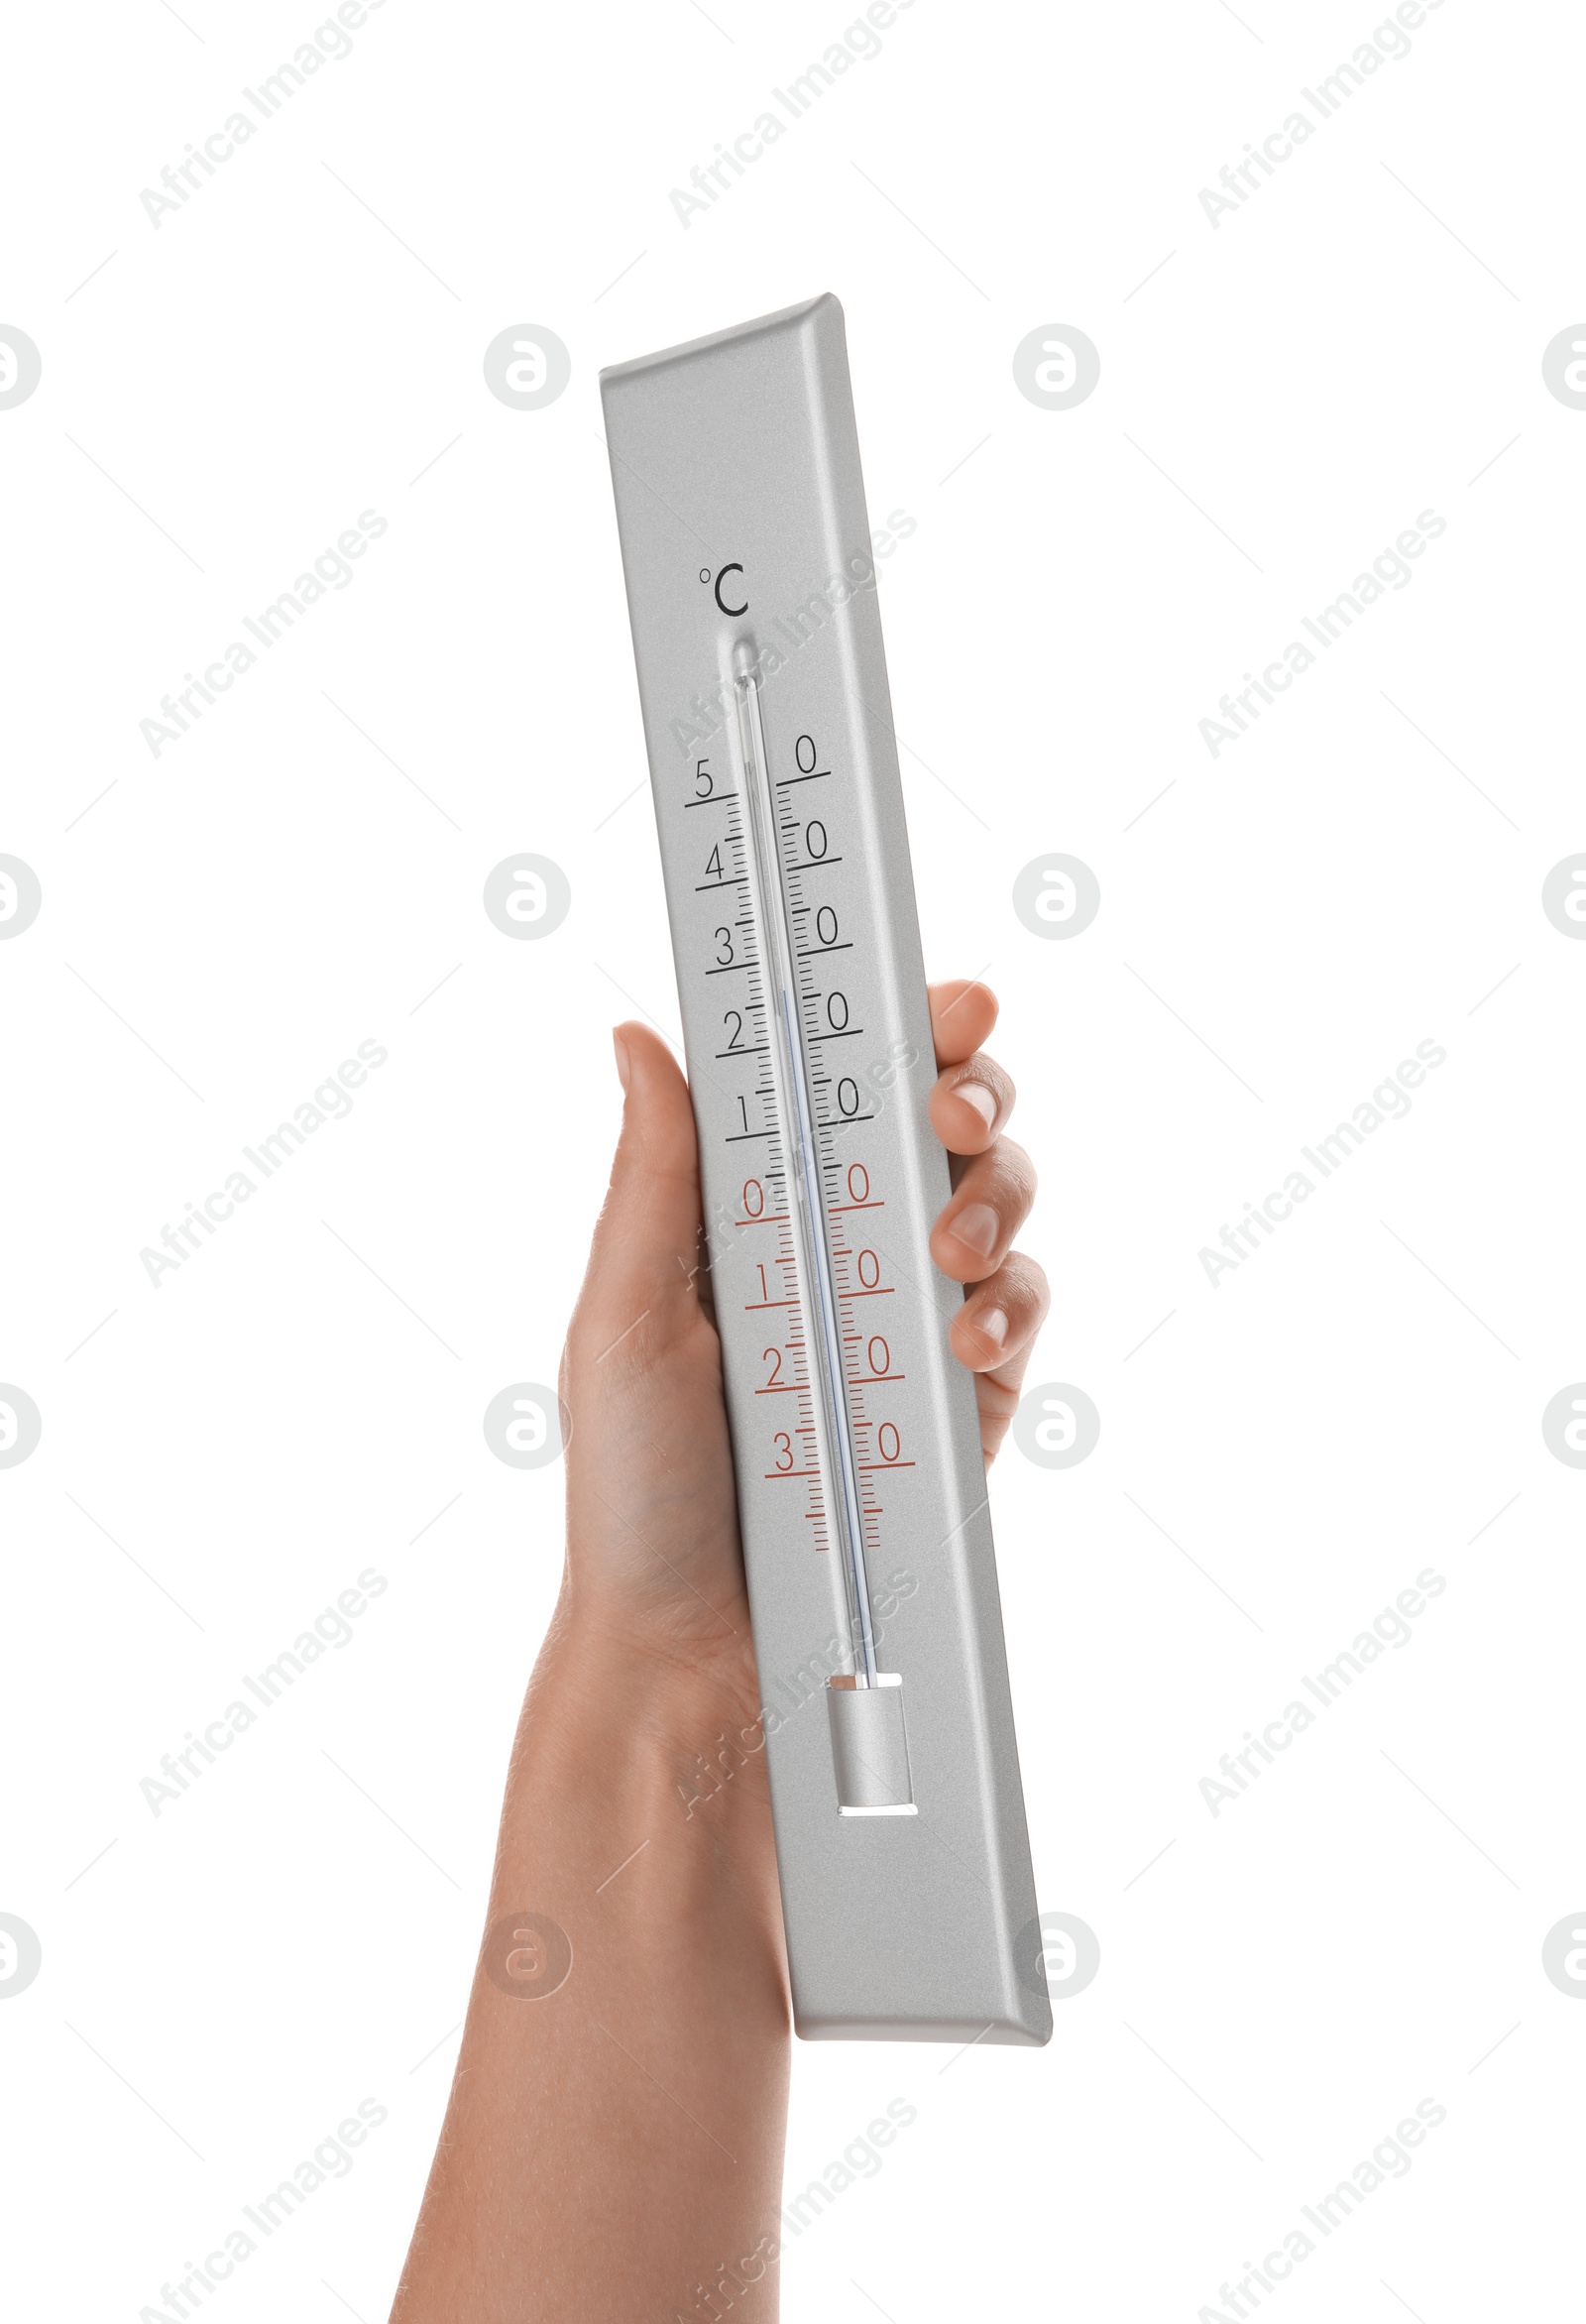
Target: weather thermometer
[{"x": 900, "y": 1831}]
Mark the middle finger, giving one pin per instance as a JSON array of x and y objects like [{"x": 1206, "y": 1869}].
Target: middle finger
[{"x": 971, "y": 1103}]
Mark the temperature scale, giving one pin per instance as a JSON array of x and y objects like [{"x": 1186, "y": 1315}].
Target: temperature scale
[{"x": 894, "y": 1773}]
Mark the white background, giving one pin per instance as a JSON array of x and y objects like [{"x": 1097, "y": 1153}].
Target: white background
[{"x": 1359, "y": 342}]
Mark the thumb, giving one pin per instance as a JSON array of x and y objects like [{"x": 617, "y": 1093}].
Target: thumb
[{"x": 645, "y": 1256}]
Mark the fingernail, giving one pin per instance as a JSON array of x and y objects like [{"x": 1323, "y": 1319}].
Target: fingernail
[
  {"x": 994, "y": 1324},
  {"x": 983, "y": 1100},
  {"x": 977, "y": 1228},
  {"x": 620, "y": 1046}
]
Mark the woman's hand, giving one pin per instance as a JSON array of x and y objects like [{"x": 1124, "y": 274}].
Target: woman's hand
[
  {"x": 614, "y": 2143},
  {"x": 653, "y": 1553}
]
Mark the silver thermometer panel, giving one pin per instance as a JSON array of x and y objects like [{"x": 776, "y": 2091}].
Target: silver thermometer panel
[{"x": 900, "y": 1831}]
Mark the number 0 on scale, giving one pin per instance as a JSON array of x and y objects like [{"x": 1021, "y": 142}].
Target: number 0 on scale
[{"x": 900, "y": 1829}]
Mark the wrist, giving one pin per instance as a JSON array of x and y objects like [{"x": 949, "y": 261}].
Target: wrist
[
  {"x": 601, "y": 1646},
  {"x": 617, "y": 1726}
]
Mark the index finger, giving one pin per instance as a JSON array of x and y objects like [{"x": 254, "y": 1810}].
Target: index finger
[{"x": 962, "y": 1013}]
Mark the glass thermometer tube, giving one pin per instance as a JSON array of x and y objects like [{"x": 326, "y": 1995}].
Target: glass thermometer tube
[{"x": 838, "y": 1463}]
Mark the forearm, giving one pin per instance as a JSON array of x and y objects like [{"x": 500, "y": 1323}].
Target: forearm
[{"x": 610, "y": 2146}]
